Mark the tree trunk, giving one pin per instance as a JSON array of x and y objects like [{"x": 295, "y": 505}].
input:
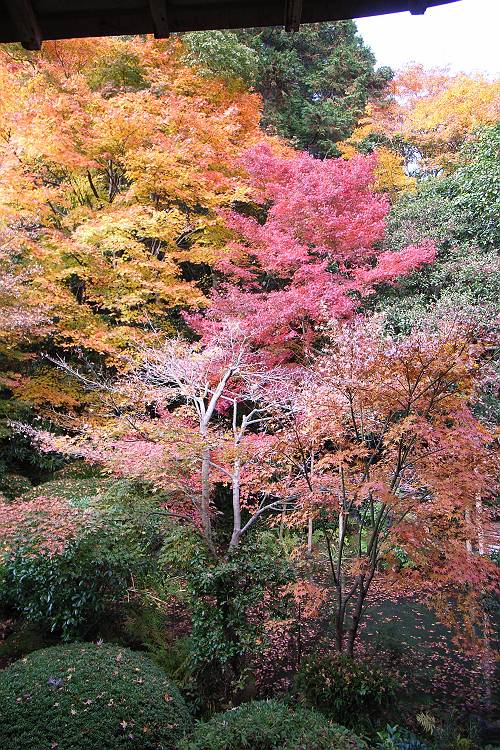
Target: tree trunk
[
  {"x": 235, "y": 538},
  {"x": 480, "y": 526},
  {"x": 468, "y": 541},
  {"x": 339, "y": 626},
  {"x": 309, "y": 537},
  {"x": 205, "y": 497},
  {"x": 356, "y": 616}
]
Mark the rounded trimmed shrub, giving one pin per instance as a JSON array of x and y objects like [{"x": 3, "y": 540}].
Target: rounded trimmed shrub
[
  {"x": 89, "y": 697},
  {"x": 270, "y": 725}
]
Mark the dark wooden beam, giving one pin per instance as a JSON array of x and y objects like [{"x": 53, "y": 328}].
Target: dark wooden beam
[
  {"x": 293, "y": 14},
  {"x": 24, "y": 20},
  {"x": 67, "y": 19},
  {"x": 160, "y": 18},
  {"x": 417, "y": 7}
]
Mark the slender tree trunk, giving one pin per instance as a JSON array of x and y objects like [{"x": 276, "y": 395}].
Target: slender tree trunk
[
  {"x": 309, "y": 520},
  {"x": 309, "y": 536},
  {"x": 205, "y": 489},
  {"x": 235, "y": 538},
  {"x": 339, "y": 624},
  {"x": 356, "y": 616},
  {"x": 282, "y": 525},
  {"x": 487, "y": 659},
  {"x": 468, "y": 541},
  {"x": 480, "y": 527}
]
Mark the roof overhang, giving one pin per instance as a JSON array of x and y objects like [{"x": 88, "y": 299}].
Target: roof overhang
[{"x": 32, "y": 21}]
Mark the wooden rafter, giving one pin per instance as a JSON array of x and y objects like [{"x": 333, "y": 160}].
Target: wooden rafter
[
  {"x": 24, "y": 20},
  {"x": 30, "y": 22},
  {"x": 293, "y": 14},
  {"x": 160, "y": 18},
  {"x": 417, "y": 7}
]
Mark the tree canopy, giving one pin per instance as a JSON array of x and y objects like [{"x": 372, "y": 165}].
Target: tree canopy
[{"x": 248, "y": 390}]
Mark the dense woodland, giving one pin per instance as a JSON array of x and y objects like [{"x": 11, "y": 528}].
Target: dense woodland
[{"x": 249, "y": 296}]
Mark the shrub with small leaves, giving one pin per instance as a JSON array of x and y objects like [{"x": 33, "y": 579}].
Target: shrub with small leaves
[
  {"x": 230, "y": 602},
  {"x": 346, "y": 690},
  {"x": 89, "y": 697},
  {"x": 270, "y": 725}
]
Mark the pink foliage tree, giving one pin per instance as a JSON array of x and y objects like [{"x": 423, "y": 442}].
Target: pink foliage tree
[
  {"x": 310, "y": 256},
  {"x": 186, "y": 417}
]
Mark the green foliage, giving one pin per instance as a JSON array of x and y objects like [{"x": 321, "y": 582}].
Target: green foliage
[
  {"x": 461, "y": 208},
  {"x": 459, "y": 212},
  {"x": 398, "y": 738},
  {"x": 315, "y": 83},
  {"x": 230, "y": 600},
  {"x": 69, "y": 593},
  {"x": 428, "y": 213},
  {"x": 346, "y": 690},
  {"x": 181, "y": 545},
  {"x": 77, "y": 470},
  {"x": 475, "y": 188},
  {"x": 221, "y": 54},
  {"x": 81, "y": 491},
  {"x": 88, "y": 697},
  {"x": 464, "y": 279},
  {"x": 122, "y": 70},
  {"x": 149, "y": 627},
  {"x": 270, "y": 725}
]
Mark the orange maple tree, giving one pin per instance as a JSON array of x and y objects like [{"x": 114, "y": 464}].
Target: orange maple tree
[
  {"x": 115, "y": 156},
  {"x": 385, "y": 455},
  {"x": 436, "y": 111}
]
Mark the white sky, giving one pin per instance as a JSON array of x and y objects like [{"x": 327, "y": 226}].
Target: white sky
[{"x": 464, "y": 35}]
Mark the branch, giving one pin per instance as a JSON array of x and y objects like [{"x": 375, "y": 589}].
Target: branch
[{"x": 280, "y": 505}]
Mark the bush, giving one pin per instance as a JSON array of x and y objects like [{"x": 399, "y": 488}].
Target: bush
[
  {"x": 346, "y": 690},
  {"x": 13, "y": 485},
  {"x": 70, "y": 591},
  {"x": 399, "y": 738},
  {"x": 270, "y": 725},
  {"x": 80, "y": 491},
  {"x": 224, "y": 593},
  {"x": 89, "y": 697}
]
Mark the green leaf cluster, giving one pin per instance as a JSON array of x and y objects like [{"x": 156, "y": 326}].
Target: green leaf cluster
[
  {"x": 460, "y": 213},
  {"x": 227, "y": 599},
  {"x": 221, "y": 54},
  {"x": 315, "y": 84},
  {"x": 70, "y": 593},
  {"x": 346, "y": 690}
]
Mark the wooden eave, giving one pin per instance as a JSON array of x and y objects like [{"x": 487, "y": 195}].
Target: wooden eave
[{"x": 32, "y": 21}]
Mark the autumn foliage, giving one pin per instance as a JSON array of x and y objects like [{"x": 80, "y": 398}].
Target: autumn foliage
[
  {"x": 437, "y": 111},
  {"x": 217, "y": 325},
  {"x": 114, "y": 158},
  {"x": 311, "y": 257},
  {"x": 43, "y": 525}
]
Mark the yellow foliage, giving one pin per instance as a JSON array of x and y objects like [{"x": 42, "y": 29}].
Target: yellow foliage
[
  {"x": 437, "y": 111},
  {"x": 389, "y": 173},
  {"x": 49, "y": 388},
  {"x": 116, "y": 159}
]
